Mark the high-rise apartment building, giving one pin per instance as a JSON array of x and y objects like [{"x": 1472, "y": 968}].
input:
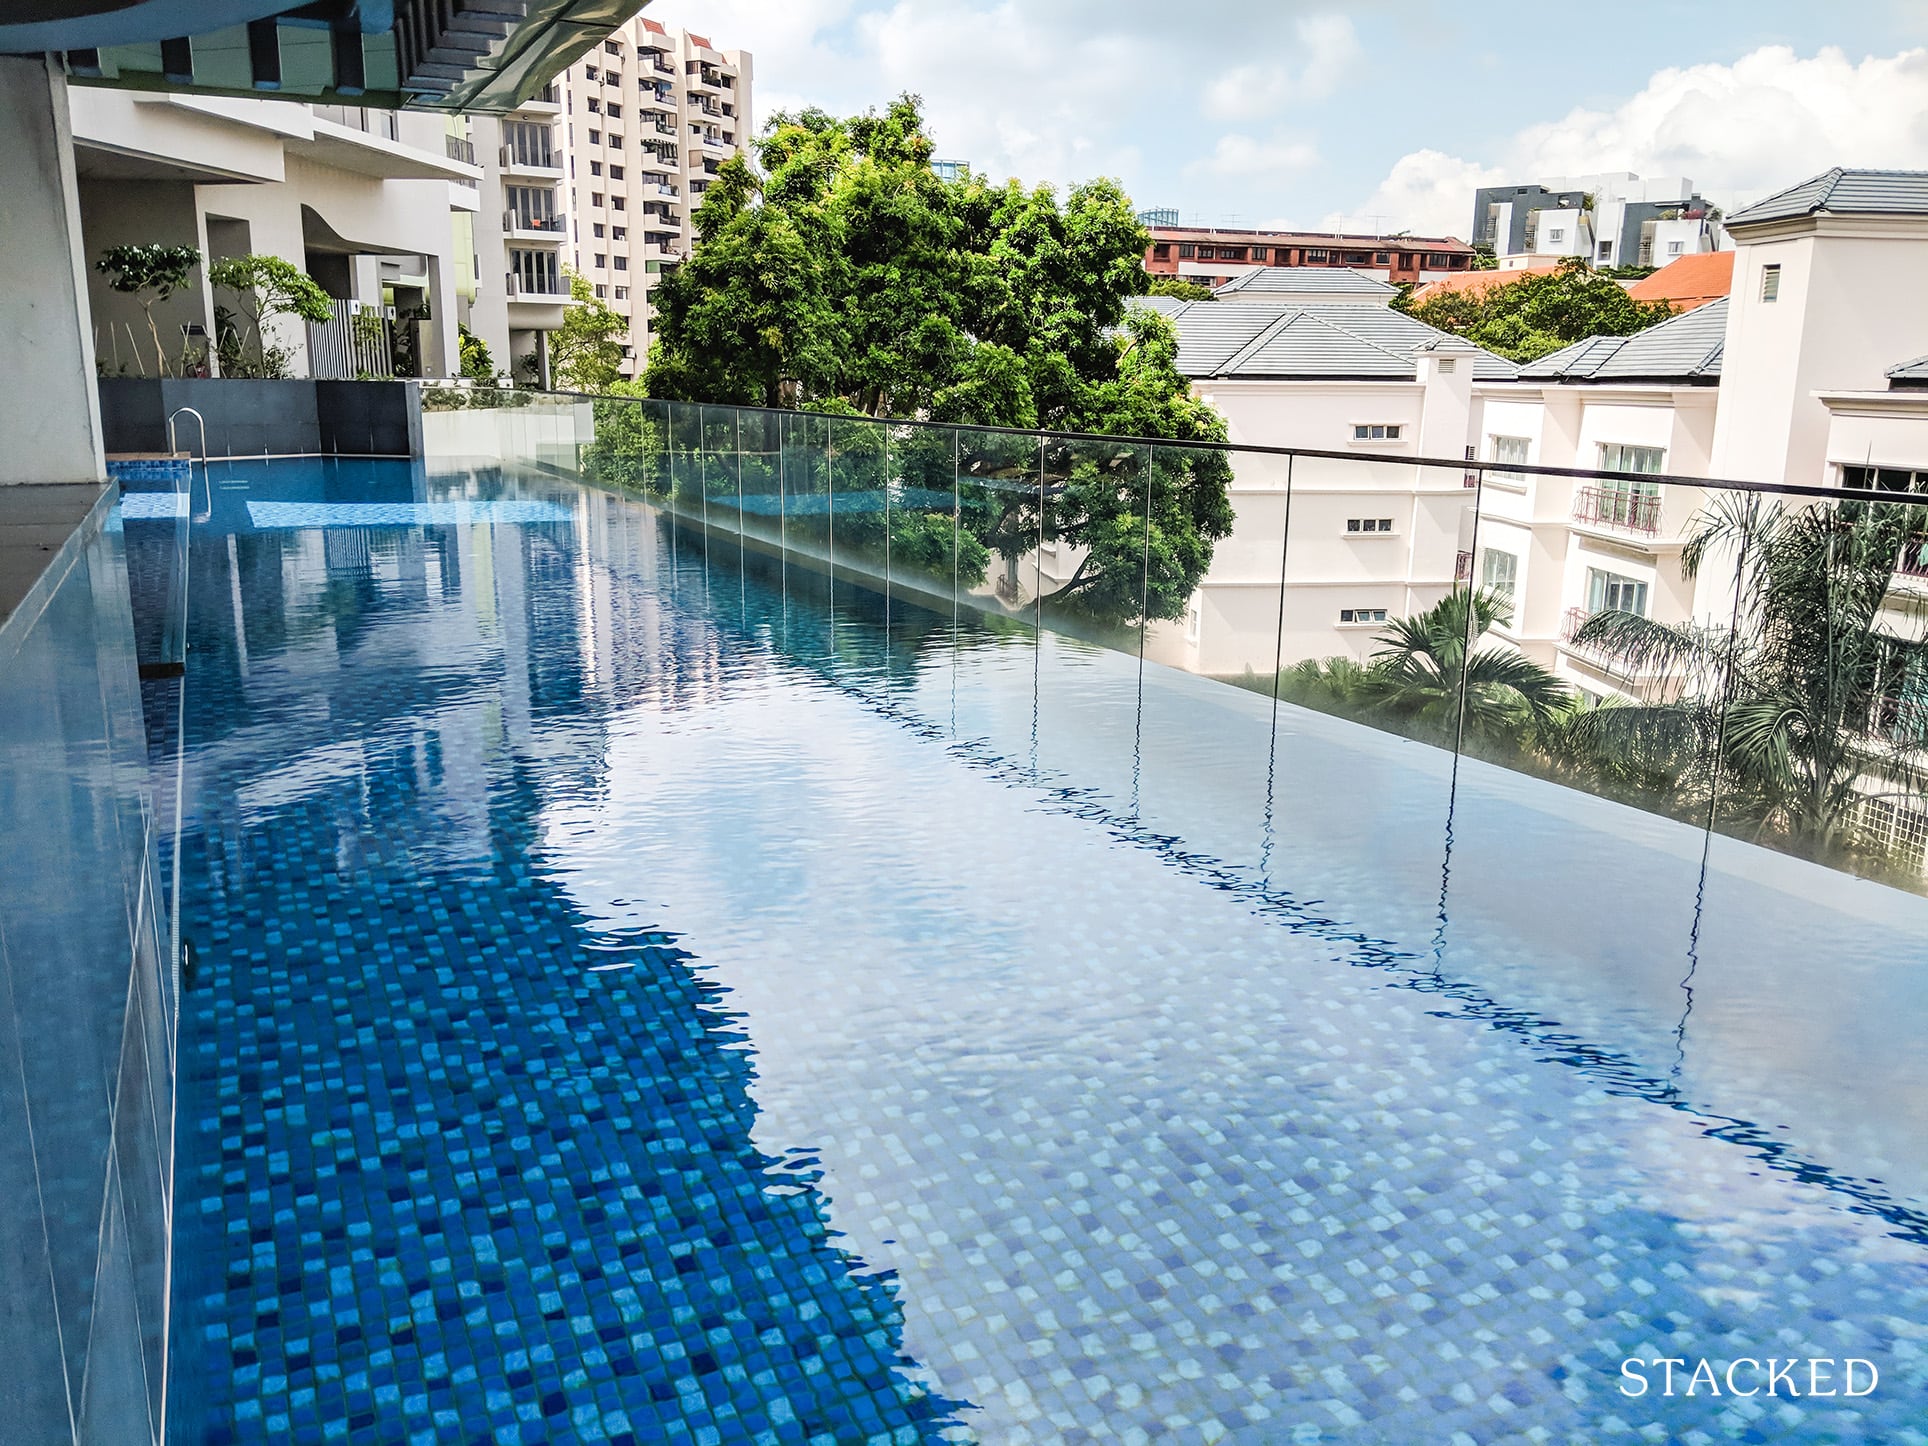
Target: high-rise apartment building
[{"x": 648, "y": 117}]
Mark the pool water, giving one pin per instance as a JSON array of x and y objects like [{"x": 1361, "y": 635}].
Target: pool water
[{"x": 646, "y": 993}]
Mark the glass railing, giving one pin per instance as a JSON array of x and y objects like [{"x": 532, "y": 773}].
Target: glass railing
[
  {"x": 87, "y": 1037},
  {"x": 1343, "y": 585},
  {"x": 1669, "y": 824}
]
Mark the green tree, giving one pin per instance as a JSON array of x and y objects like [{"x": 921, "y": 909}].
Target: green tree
[
  {"x": 1179, "y": 287},
  {"x": 841, "y": 274},
  {"x": 1424, "y": 667},
  {"x": 266, "y": 287},
  {"x": 150, "y": 274},
  {"x": 477, "y": 364},
  {"x": 586, "y": 351},
  {"x": 1814, "y": 706},
  {"x": 1540, "y": 312}
]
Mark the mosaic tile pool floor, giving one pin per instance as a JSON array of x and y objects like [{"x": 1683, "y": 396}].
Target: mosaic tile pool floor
[{"x": 635, "y": 1000}]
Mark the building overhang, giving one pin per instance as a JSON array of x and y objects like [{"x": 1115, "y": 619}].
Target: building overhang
[
  {"x": 454, "y": 55},
  {"x": 1875, "y": 404}
]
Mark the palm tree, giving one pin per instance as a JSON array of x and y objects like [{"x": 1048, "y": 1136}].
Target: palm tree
[
  {"x": 1418, "y": 673},
  {"x": 1792, "y": 720}
]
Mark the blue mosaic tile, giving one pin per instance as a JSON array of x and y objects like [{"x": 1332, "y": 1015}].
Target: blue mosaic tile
[{"x": 626, "y": 1010}]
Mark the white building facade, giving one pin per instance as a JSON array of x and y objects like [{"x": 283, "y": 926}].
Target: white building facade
[
  {"x": 375, "y": 205},
  {"x": 648, "y": 116}
]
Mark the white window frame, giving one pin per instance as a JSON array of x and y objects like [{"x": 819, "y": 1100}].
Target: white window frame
[
  {"x": 1770, "y": 283},
  {"x": 1511, "y": 590},
  {"x": 1362, "y": 618}
]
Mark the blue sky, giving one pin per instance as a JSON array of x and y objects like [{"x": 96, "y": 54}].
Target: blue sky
[{"x": 1379, "y": 114}]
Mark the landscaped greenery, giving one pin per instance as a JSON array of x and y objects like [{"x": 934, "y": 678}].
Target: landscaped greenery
[
  {"x": 1179, "y": 287},
  {"x": 1540, "y": 312},
  {"x": 586, "y": 351},
  {"x": 150, "y": 274},
  {"x": 1793, "y": 728},
  {"x": 841, "y": 275},
  {"x": 264, "y": 287}
]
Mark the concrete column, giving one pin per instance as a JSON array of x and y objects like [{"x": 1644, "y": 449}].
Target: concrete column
[
  {"x": 441, "y": 353},
  {"x": 49, "y": 408}
]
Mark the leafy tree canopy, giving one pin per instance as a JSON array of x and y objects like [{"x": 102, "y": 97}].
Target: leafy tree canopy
[
  {"x": 266, "y": 287},
  {"x": 150, "y": 274},
  {"x": 586, "y": 351},
  {"x": 840, "y": 273},
  {"x": 1179, "y": 287},
  {"x": 1541, "y": 312}
]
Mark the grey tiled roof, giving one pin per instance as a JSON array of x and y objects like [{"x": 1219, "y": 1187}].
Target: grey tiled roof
[
  {"x": 1232, "y": 338},
  {"x": 1165, "y": 305},
  {"x": 1909, "y": 371},
  {"x": 1304, "y": 281},
  {"x": 1686, "y": 348},
  {"x": 1843, "y": 193}
]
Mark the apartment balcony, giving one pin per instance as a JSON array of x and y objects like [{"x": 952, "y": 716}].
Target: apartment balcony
[
  {"x": 530, "y": 165},
  {"x": 547, "y": 101},
  {"x": 518, "y": 227},
  {"x": 1633, "y": 513},
  {"x": 459, "y": 148}
]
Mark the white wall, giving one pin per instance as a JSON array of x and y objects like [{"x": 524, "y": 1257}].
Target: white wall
[
  {"x": 47, "y": 363},
  {"x": 1851, "y": 305}
]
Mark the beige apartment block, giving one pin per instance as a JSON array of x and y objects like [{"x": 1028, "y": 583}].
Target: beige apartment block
[{"x": 648, "y": 117}]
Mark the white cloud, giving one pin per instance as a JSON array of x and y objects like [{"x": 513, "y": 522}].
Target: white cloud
[
  {"x": 1738, "y": 131},
  {"x": 1328, "y": 44},
  {"x": 1256, "y": 160},
  {"x": 1427, "y": 192}
]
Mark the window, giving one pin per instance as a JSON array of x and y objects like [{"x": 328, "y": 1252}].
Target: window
[
  {"x": 1555, "y": 235},
  {"x": 1161, "y": 251},
  {"x": 1368, "y": 524},
  {"x": 1617, "y": 457},
  {"x": 1186, "y": 250},
  {"x": 536, "y": 271},
  {"x": 595, "y": 106},
  {"x": 1674, "y": 248},
  {"x": 615, "y": 111},
  {"x": 1499, "y": 571},
  {"x": 622, "y": 263},
  {"x": 1382, "y": 258},
  {"x": 600, "y": 290},
  {"x": 1770, "y": 283},
  {"x": 1513, "y": 451},
  {"x": 616, "y": 203},
  {"x": 595, "y": 138},
  {"x": 596, "y": 229},
  {"x": 1361, "y": 615},
  {"x": 622, "y": 293},
  {"x": 1377, "y": 431},
  {"x": 618, "y": 233},
  {"x": 1610, "y": 592},
  {"x": 1315, "y": 258},
  {"x": 615, "y": 173},
  {"x": 595, "y": 198},
  {"x": 615, "y": 140},
  {"x": 589, "y": 72},
  {"x": 1884, "y": 479},
  {"x": 1605, "y": 252},
  {"x": 612, "y": 47},
  {"x": 595, "y": 168},
  {"x": 602, "y": 260}
]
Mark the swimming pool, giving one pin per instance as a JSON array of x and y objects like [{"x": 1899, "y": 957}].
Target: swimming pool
[{"x": 644, "y": 992}]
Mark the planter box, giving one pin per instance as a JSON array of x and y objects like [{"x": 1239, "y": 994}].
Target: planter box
[{"x": 246, "y": 418}]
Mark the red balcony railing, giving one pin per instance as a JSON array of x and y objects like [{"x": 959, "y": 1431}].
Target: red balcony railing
[
  {"x": 1576, "y": 618},
  {"x": 1613, "y": 507}
]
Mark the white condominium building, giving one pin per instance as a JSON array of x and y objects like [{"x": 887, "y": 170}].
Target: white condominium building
[{"x": 648, "y": 118}]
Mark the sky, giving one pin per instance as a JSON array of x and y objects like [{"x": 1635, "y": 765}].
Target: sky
[{"x": 1379, "y": 115}]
